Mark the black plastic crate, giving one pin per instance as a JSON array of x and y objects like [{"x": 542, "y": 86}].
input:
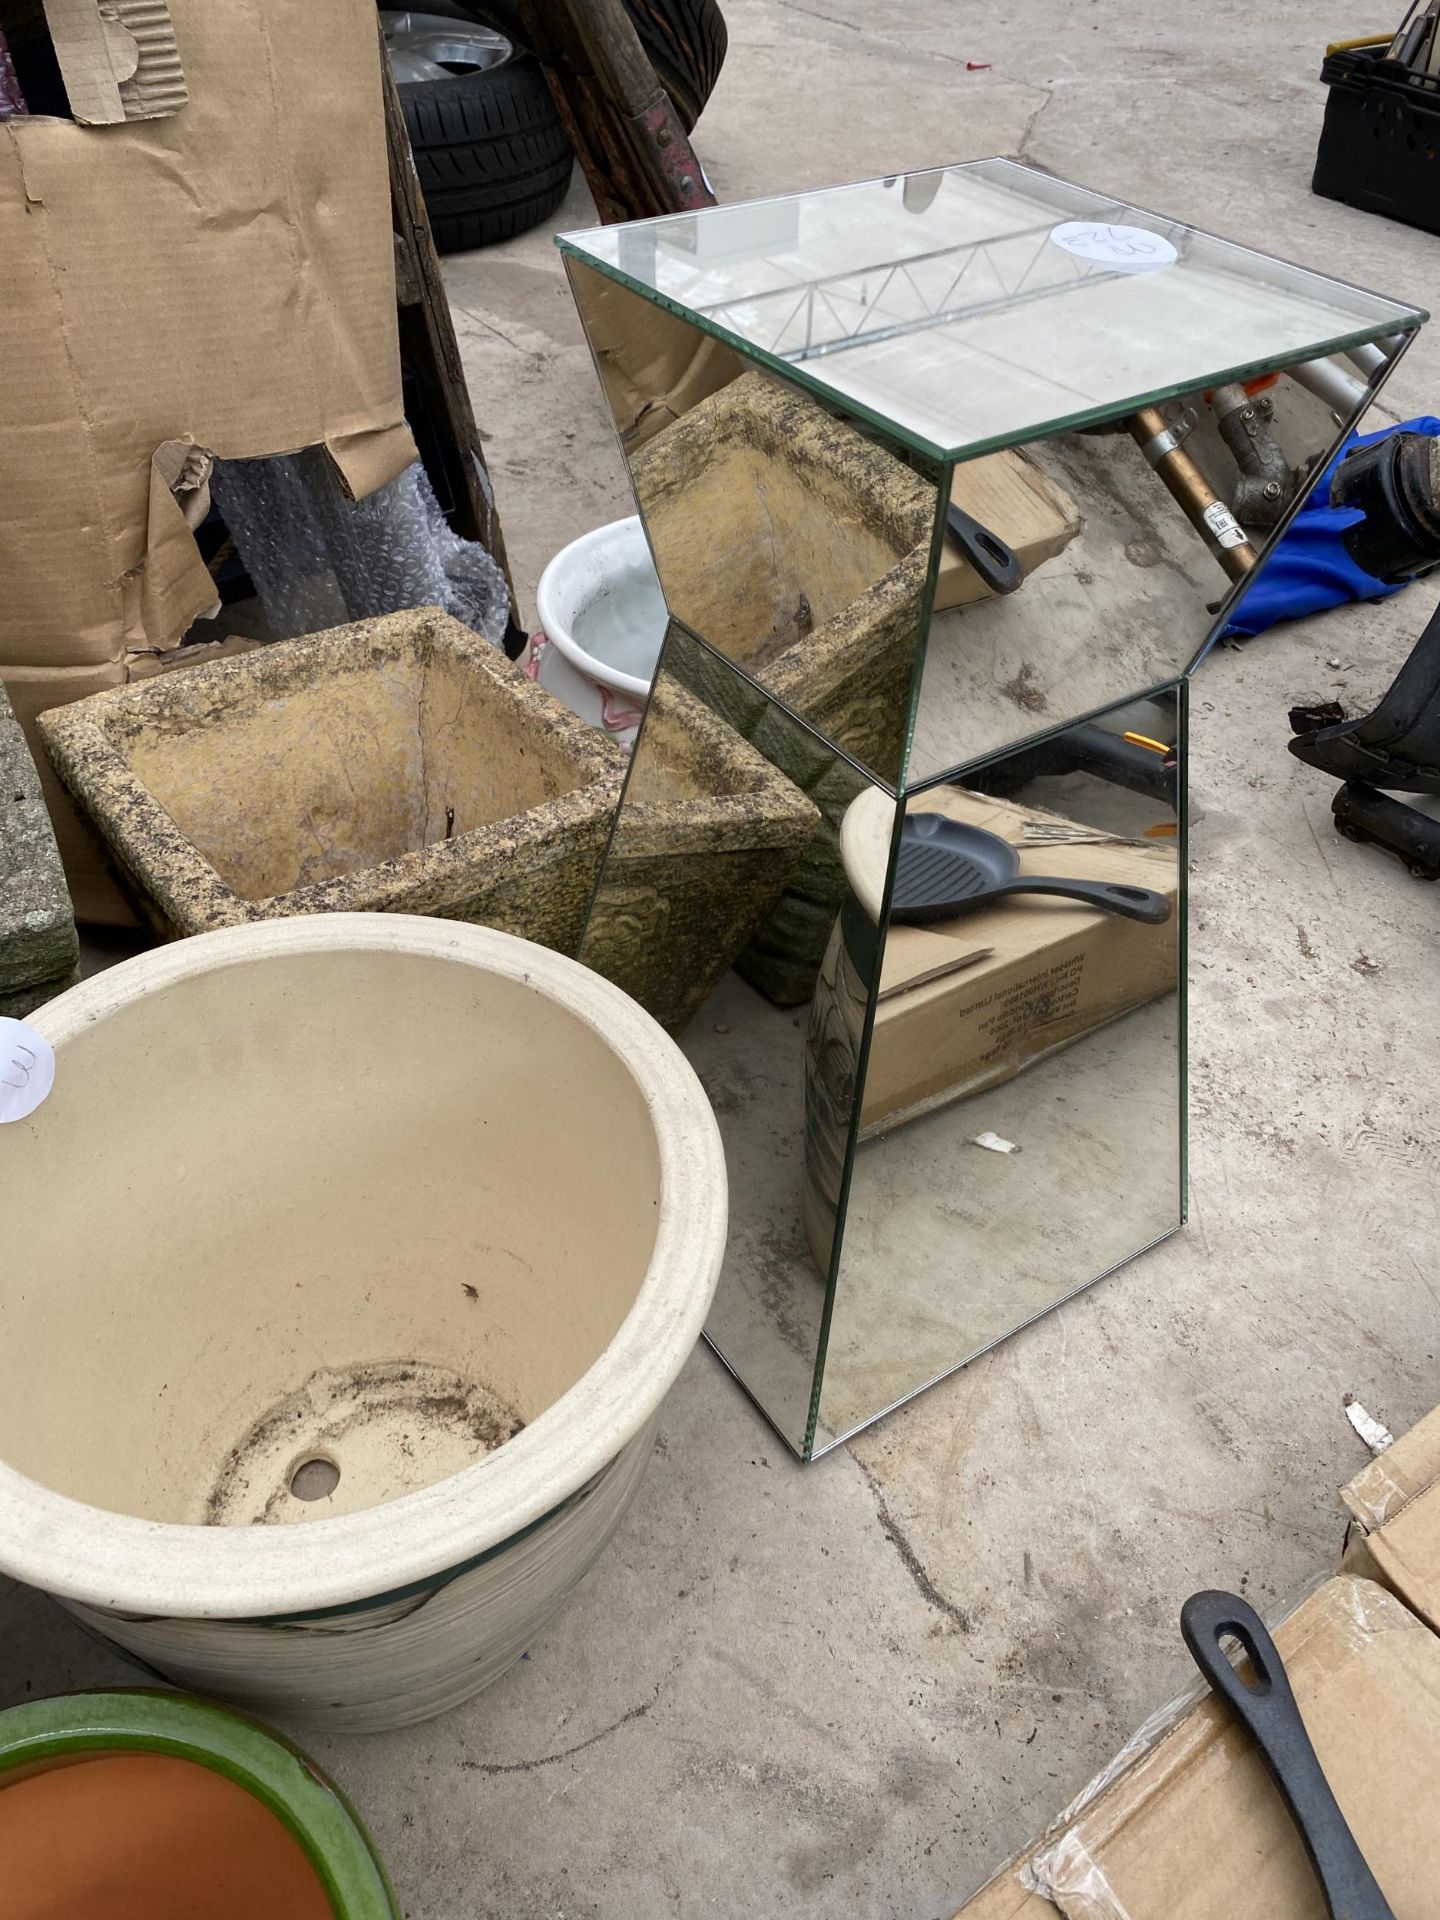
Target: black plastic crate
[{"x": 1380, "y": 146}]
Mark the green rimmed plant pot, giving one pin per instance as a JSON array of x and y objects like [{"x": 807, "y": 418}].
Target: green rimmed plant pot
[{"x": 46, "y": 1734}]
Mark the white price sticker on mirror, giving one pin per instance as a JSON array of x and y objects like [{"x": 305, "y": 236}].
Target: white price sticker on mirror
[
  {"x": 1122, "y": 249},
  {"x": 27, "y": 1069}
]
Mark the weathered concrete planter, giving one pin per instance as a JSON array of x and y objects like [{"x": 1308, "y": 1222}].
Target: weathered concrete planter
[
  {"x": 399, "y": 765},
  {"x": 799, "y": 550},
  {"x": 38, "y": 947},
  {"x": 709, "y": 837},
  {"x": 436, "y": 1209}
]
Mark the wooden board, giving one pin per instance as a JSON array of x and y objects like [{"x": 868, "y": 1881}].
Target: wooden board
[{"x": 1028, "y": 510}]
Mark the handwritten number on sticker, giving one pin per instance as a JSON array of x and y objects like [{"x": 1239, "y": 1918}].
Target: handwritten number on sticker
[
  {"x": 27, "y": 1069},
  {"x": 1127, "y": 249}
]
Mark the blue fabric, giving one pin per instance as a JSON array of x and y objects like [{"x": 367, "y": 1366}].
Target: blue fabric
[{"x": 1310, "y": 569}]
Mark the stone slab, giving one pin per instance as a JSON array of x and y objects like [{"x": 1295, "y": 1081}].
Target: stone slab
[{"x": 38, "y": 944}]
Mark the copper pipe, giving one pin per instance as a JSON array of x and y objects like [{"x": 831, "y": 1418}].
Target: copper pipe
[{"x": 1203, "y": 507}]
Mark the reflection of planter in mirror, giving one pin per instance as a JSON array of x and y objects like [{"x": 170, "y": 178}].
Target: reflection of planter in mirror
[
  {"x": 832, "y": 1066},
  {"x": 784, "y": 956},
  {"x": 399, "y": 765},
  {"x": 798, "y": 548},
  {"x": 709, "y": 836},
  {"x": 152, "y": 1803},
  {"x": 333, "y": 1419}
]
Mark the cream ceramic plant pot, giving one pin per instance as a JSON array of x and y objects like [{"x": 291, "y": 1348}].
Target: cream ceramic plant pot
[{"x": 349, "y": 1261}]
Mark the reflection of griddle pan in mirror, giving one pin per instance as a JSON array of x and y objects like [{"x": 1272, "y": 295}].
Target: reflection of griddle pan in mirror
[{"x": 947, "y": 867}]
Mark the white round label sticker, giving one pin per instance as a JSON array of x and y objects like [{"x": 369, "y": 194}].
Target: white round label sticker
[
  {"x": 27, "y": 1069},
  {"x": 1122, "y": 249}
]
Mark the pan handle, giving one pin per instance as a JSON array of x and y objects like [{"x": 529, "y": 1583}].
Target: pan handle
[
  {"x": 995, "y": 562},
  {"x": 1135, "y": 903},
  {"x": 1266, "y": 1709}
]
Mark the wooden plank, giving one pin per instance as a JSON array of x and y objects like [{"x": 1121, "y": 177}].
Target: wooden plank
[
  {"x": 628, "y": 138},
  {"x": 1024, "y": 507},
  {"x": 430, "y": 350}
]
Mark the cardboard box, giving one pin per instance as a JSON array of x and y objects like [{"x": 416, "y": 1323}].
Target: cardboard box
[
  {"x": 1196, "y": 1829},
  {"x": 223, "y": 277},
  {"x": 1394, "y": 1507},
  {"x": 118, "y": 58},
  {"x": 1006, "y": 1897},
  {"x": 966, "y": 1003}
]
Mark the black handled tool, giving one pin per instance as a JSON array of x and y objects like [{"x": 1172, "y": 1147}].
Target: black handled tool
[
  {"x": 947, "y": 868},
  {"x": 987, "y": 553},
  {"x": 1266, "y": 1709}
]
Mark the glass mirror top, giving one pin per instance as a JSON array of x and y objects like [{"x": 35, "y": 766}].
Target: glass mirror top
[{"x": 973, "y": 307}]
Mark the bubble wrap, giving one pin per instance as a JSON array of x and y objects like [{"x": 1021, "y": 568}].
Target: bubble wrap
[{"x": 319, "y": 559}]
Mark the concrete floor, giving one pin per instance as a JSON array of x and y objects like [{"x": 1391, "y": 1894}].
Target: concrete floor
[{"x": 853, "y": 1689}]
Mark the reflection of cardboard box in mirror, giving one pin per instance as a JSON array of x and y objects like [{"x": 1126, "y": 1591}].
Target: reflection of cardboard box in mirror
[
  {"x": 797, "y": 548},
  {"x": 1195, "y": 1828},
  {"x": 710, "y": 834},
  {"x": 1394, "y": 1506},
  {"x": 653, "y": 366},
  {"x": 967, "y": 1003}
]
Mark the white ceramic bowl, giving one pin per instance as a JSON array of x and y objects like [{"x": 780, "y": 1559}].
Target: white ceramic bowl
[
  {"x": 361, "y": 1188},
  {"x": 599, "y": 602}
]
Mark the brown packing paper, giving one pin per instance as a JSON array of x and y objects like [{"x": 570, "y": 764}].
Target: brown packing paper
[
  {"x": 1196, "y": 1829},
  {"x": 224, "y": 276},
  {"x": 1394, "y": 1504},
  {"x": 219, "y": 279}
]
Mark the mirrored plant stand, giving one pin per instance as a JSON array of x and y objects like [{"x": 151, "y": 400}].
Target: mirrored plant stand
[{"x": 950, "y": 480}]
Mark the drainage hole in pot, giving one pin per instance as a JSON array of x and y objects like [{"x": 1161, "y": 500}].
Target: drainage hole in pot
[{"x": 315, "y": 1479}]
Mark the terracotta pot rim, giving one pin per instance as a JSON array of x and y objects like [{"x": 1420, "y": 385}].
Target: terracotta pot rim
[
  {"x": 110, "y": 1721},
  {"x": 124, "y": 1564}
]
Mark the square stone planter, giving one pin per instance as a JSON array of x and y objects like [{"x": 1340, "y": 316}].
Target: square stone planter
[
  {"x": 38, "y": 946},
  {"x": 711, "y": 835},
  {"x": 799, "y": 549},
  {"x": 398, "y": 765}
]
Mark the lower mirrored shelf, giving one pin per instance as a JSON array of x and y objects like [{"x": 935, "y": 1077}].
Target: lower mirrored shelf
[{"x": 944, "y": 1042}]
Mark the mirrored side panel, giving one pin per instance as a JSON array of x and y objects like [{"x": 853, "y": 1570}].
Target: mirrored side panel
[
  {"x": 1021, "y": 1119},
  {"x": 717, "y": 907},
  {"x": 786, "y": 533},
  {"x": 1116, "y": 548}
]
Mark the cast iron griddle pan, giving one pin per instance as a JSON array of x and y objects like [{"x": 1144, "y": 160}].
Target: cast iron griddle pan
[
  {"x": 947, "y": 867},
  {"x": 1266, "y": 1709}
]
